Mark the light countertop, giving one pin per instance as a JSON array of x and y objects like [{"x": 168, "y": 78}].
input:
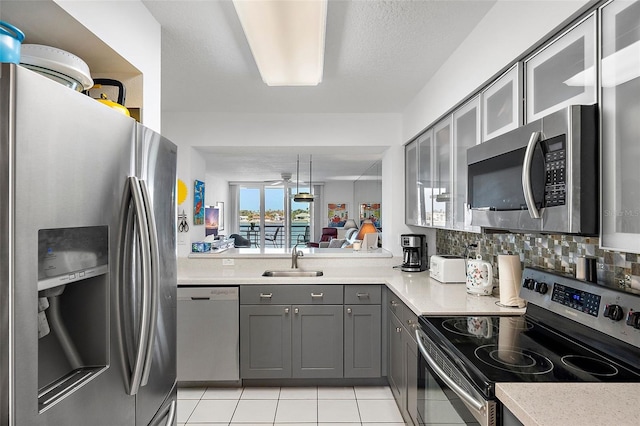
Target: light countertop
[
  {"x": 423, "y": 295},
  {"x": 572, "y": 404}
]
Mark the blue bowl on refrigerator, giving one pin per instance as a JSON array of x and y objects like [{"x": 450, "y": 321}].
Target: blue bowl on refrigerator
[{"x": 10, "y": 42}]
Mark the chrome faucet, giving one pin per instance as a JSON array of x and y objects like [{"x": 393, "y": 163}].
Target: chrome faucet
[{"x": 295, "y": 254}]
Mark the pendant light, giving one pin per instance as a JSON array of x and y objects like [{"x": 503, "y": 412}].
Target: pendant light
[{"x": 303, "y": 197}]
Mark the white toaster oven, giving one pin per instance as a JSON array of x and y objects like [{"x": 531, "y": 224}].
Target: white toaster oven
[{"x": 448, "y": 269}]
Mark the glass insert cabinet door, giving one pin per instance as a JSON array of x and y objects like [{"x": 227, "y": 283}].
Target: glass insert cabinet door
[
  {"x": 412, "y": 206},
  {"x": 563, "y": 73},
  {"x": 442, "y": 211},
  {"x": 502, "y": 104},
  {"x": 466, "y": 133},
  {"x": 620, "y": 77},
  {"x": 425, "y": 182}
]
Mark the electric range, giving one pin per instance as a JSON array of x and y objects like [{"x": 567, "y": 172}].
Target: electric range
[{"x": 573, "y": 331}]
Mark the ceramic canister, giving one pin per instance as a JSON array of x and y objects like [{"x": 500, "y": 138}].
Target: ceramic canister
[{"x": 479, "y": 277}]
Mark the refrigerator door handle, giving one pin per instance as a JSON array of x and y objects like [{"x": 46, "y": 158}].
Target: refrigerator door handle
[
  {"x": 154, "y": 288},
  {"x": 133, "y": 207}
]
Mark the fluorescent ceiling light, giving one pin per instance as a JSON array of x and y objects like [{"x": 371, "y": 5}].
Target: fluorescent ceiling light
[{"x": 286, "y": 38}]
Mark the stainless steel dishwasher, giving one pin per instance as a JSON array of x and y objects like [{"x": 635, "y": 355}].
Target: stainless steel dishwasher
[{"x": 208, "y": 334}]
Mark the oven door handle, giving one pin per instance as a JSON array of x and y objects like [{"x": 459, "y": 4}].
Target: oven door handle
[
  {"x": 477, "y": 405},
  {"x": 526, "y": 175}
]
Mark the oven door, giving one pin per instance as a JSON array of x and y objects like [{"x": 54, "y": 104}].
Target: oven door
[{"x": 445, "y": 396}]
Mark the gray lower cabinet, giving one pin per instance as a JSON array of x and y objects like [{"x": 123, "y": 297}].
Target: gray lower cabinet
[
  {"x": 265, "y": 341},
  {"x": 310, "y": 331},
  {"x": 411, "y": 362},
  {"x": 396, "y": 370},
  {"x": 317, "y": 342},
  {"x": 285, "y": 341},
  {"x": 402, "y": 372},
  {"x": 362, "y": 340}
]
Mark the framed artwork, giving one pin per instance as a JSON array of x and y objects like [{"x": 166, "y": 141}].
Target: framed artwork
[
  {"x": 371, "y": 211},
  {"x": 337, "y": 214},
  {"x": 211, "y": 220},
  {"x": 220, "y": 206},
  {"x": 198, "y": 203}
]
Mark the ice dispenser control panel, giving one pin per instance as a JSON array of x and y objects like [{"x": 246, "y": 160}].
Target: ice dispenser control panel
[{"x": 66, "y": 255}]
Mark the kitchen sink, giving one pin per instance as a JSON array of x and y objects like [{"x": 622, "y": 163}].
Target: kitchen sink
[{"x": 292, "y": 273}]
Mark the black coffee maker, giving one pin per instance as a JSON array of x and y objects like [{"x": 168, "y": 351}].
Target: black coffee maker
[{"x": 414, "y": 250}]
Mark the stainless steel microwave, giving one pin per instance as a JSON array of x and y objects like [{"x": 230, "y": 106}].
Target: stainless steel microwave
[{"x": 541, "y": 177}]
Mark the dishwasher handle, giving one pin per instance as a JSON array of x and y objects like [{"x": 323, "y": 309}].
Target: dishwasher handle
[{"x": 210, "y": 293}]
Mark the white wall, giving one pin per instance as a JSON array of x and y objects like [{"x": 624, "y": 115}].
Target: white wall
[
  {"x": 130, "y": 29},
  {"x": 207, "y": 129}
]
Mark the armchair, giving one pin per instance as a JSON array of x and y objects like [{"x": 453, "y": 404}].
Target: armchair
[{"x": 327, "y": 234}]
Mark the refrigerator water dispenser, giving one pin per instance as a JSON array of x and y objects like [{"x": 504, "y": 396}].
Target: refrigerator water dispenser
[{"x": 73, "y": 294}]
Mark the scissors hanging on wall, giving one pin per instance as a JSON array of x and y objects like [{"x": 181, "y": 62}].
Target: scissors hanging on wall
[{"x": 183, "y": 226}]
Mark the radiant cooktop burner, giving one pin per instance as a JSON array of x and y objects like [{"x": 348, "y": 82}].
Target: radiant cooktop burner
[
  {"x": 484, "y": 327},
  {"x": 590, "y": 365},
  {"x": 513, "y": 359}
]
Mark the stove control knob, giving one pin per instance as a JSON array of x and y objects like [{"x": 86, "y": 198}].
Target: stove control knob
[
  {"x": 633, "y": 319},
  {"x": 543, "y": 288},
  {"x": 614, "y": 312},
  {"x": 529, "y": 283}
]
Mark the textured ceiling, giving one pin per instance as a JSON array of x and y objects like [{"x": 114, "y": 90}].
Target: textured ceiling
[{"x": 378, "y": 55}]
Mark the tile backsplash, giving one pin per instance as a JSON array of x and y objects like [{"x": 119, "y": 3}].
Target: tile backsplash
[{"x": 556, "y": 252}]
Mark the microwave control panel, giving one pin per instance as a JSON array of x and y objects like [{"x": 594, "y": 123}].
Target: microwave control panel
[{"x": 555, "y": 152}]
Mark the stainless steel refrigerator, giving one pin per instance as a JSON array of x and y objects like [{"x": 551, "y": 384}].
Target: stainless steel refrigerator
[{"x": 87, "y": 261}]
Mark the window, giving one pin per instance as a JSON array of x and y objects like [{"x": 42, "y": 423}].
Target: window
[{"x": 269, "y": 219}]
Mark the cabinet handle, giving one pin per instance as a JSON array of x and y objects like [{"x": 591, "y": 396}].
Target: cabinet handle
[
  {"x": 296, "y": 310},
  {"x": 394, "y": 303},
  {"x": 316, "y": 295},
  {"x": 410, "y": 322},
  {"x": 349, "y": 311},
  {"x": 286, "y": 310},
  {"x": 266, "y": 295},
  {"x": 361, "y": 295},
  {"x": 398, "y": 329}
]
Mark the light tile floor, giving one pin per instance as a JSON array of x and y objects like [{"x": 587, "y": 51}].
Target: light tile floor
[{"x": 290, "y": 406}]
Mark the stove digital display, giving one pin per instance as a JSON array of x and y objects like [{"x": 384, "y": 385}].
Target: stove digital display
[{"x": 579, "y": 300}]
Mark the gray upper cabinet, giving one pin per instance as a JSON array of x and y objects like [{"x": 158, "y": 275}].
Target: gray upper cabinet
[
  {"x": 502, "y": 104},
  {"x": 411, "y": 186},
  {"x": 418, "y": 180},
  {"x": 620, "y": 111},
  {"x": 563, "y": 72},
  {"x": 466, "y": 133},
  {"x": 442, "y": 174},
  {"x": 425, "y": 180}
]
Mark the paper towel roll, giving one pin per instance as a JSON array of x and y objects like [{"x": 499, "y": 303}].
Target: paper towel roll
[{"x": 510, "y": 275}]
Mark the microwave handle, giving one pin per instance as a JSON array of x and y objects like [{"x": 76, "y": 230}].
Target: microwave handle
[{"x": 526, "y": 175}]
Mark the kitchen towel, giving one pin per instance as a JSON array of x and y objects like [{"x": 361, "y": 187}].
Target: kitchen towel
[{"x": 510, "y": 275}]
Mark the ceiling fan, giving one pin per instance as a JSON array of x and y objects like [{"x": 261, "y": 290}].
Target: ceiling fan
[{"x": 284, "y": 177}]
